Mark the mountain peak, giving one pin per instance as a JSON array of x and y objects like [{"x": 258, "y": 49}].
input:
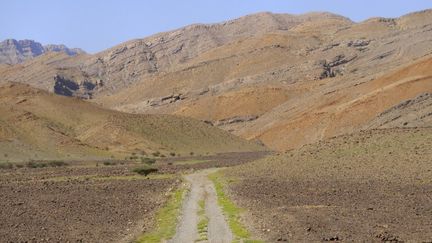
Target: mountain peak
[{"x": 16, "y": 51}]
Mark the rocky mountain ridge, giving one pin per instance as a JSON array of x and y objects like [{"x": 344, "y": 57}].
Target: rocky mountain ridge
[
  {"x": 286, "y": 80},
  {"x": 16, "y": 51}
]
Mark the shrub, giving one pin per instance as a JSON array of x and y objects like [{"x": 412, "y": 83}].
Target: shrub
[
  {"x": 156, "y": 154},
  {"x": 191, "y": 153},
  {"x": 57, "y": 163},
  {"x": 6, "y": 165},
  {"x": 34, "y": 164},
  {"x": 148, "y": 160},
  {"x": 109, "y": 163},
  {"x": 172, "y": 154},
  {"x": 145, "y": 170},
  {"x": 162, "y": 156}
]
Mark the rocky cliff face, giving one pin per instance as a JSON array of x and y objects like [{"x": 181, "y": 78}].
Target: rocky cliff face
[
  {"x": 69, "y": 87},
  {"x": 16, "y": 51}
]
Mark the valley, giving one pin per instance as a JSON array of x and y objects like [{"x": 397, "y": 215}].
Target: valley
[{"x": 270, "y": 127}]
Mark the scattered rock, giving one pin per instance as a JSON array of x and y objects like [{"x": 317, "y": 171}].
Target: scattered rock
[
  {"x": 166, "y": 99},
  {"x": 358, "y": 43},
  {"x": 333, "y": 238},
  {"x": 387, "y": 237}
]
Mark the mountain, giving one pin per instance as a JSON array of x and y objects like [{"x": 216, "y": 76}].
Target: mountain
[
  {"x": 17, "y": 51},
  {"x": 286, "y": 80},
  {"x": 35, "y": 124}
]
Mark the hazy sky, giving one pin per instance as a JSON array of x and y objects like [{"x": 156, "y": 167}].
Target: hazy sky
[{"x": 98, "y": 24}]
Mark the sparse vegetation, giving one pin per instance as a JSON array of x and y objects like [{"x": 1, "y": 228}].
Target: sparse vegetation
[
  {"x": 42, "y": 164},
  {"x": 231, "y": 211},
  {"x": 109, "y": 163},
  {"x": 6, "y": 165},
  {"x": 33, "y": 164},
  {"x": 156, "y": 154},
  {"x": 57, "y": 163},
  {"x": 148, "y": 160},
  {"x": 145, "y": 170},
  {"x": 203, "y": 222},
  {"x": 166, "y": 220},
  {"x": 173, "y": 154}
]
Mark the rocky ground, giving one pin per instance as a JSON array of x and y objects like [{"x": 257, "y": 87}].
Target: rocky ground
[
  {"x": 48, "y": 207},
  {"x": 91, "y": 201},
  {"x": 367, "y": 187}
]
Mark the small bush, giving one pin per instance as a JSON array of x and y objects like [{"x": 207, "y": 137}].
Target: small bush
[
  {"x": 172, "y": 154},
  {"x": 145, "y": 170},
  {"x": 34, "y": 164},
  {"x": 148, "y": 160},
  {"x": 191, "y": 153},
  {"x": 57, "y": 163},
  {"x": 109, "y": 163},
  {"x": 156, "y": 154},
  {"x": 162, "y": 156},
  {"x": 6, "y": 166}
]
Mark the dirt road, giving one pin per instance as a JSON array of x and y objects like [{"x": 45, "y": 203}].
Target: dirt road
[{"x": 201, "y": 188}]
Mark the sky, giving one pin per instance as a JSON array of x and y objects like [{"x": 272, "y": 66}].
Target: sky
[{"x": 95, "y": 25}]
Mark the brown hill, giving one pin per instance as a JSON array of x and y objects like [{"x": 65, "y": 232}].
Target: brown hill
[
  {"x": 37, "y": 125},
  {"x": 284, "y": 79}
]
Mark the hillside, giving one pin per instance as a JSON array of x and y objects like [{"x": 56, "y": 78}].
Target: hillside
[
  {"x": 286, "y": 80},
  {"x": 416, "y": 112},
  {"x": 371, "y": 186},
  {"x": 37, "y": 125}
]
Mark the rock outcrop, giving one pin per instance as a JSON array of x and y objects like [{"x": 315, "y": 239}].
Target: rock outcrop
[
  {"x": 68, "y": 87},
  {"x": 17, "y": 51}
]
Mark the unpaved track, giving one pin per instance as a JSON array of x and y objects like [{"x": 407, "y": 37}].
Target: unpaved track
[{"x": 202, "y": 189}]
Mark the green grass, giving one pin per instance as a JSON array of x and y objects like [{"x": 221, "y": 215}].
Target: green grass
[
  {"x": 166, "y": 220},
  {"x": 231, "y": 211},
  {"x": 192, "y": 161},
  {"x": 203, "y": 222}
]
